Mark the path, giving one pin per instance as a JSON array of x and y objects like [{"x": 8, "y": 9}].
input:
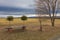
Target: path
[{"x": 56, "y": 38}]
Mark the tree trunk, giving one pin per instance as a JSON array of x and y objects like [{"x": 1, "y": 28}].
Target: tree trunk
[
  {"x": 9, "y": 24},
  {"x": 40, "y": 25},
  {"x": 53, "y": 16},
  {"x": 53, "y": 22},
  {"x": 24, "y": 27}
]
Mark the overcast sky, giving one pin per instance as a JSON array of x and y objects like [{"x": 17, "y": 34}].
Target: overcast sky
[{"x": 17, "y": 3}]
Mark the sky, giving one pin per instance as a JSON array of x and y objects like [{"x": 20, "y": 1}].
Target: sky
[
  {"x": 17, "y": 3},
  {"x": 29, "y": 4}
]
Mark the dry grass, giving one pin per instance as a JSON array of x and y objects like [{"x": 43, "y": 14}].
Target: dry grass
[{"x": 32, "y": 32}]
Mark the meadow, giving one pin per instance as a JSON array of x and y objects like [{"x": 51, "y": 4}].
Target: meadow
[{"x": 32, "y": 29}]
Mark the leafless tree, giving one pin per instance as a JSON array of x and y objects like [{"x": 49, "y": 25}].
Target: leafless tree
[{"x": 47, "y": 7}]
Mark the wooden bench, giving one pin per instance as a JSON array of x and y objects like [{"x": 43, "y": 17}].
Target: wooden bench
[{"x": 9, "y": 29}]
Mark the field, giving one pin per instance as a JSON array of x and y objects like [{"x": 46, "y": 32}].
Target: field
[{"x": 32, "y": 29}]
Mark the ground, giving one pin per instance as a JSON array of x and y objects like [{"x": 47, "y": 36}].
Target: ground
[{"x": 32, "y": 29}]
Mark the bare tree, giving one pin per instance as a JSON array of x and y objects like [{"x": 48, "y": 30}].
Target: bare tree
[
  {"x": 47, "y": 7},
  {"x": 39, "y": 10}
]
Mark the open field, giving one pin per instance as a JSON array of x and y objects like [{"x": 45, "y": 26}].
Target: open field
[{"x": 32, "y": 29}]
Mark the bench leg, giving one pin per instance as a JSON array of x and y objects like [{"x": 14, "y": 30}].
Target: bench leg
[{"x": 10, "y": 30}]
